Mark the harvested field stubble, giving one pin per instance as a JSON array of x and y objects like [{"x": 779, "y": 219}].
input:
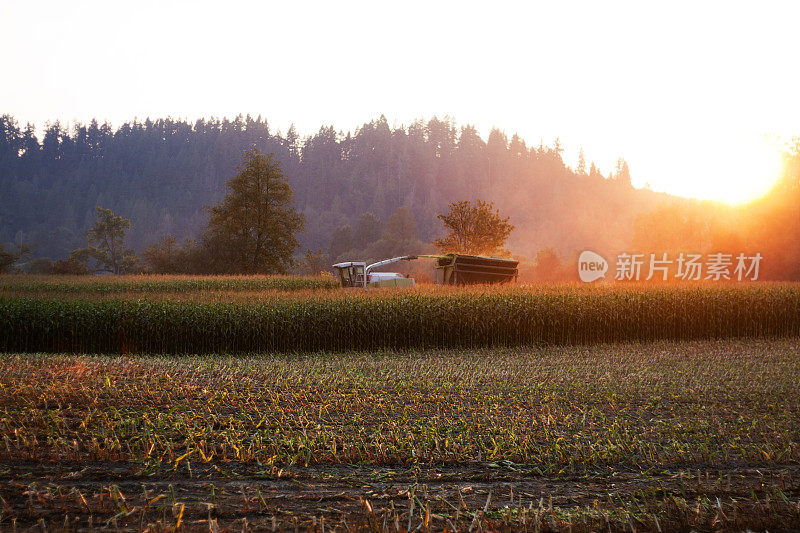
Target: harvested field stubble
[
  {"x": 559, "y": 408},
  {"x": 695, "y": 435}
]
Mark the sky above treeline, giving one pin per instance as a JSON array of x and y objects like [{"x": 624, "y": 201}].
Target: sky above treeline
[{"x": 698, "y": 97}]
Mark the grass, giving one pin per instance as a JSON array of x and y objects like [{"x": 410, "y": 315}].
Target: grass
[{"x": 647, "y": 436}]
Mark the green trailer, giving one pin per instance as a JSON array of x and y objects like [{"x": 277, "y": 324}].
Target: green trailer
[{"x": 460, "y": 269}]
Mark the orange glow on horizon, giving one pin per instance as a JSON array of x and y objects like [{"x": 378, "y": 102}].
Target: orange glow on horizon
[{"x": 750, "y": 172}]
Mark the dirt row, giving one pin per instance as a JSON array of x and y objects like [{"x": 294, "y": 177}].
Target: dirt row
[{"x": 128, "y": 496}]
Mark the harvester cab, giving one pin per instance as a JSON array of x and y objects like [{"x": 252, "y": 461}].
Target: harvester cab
[
  {"x": 351, "y": 273},
  {"x": 359, "y": 274}
]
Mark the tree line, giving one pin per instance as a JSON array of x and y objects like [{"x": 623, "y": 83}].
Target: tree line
[
  {"x": 161, "y": 173},
  {"x": 253, "y": 231},
  {"x": 377, "y": 192}
]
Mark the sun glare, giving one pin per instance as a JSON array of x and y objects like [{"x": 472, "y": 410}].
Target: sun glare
[
  {"x": 748, "y": 174},
  {"x": 756, "y": 173}
]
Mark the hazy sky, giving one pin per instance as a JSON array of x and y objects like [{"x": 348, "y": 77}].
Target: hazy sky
[{"x": 695, "y": 95}]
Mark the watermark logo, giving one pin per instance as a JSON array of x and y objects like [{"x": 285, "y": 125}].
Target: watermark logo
[
  {"x": 663, "y": 267},
  {"x": 591, "y": 266}
]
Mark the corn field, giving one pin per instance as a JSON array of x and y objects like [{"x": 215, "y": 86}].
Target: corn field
[
  {"x": 421, "y": 319},
  {"x": 161, "y": 283}
]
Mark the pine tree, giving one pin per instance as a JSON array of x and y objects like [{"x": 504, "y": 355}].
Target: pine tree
[
  {"x": 581, "y": 170},
  {"x": 622, "y": 174}
]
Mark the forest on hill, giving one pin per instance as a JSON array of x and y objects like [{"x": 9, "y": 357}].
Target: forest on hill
[{"x": 161, "y": 173}]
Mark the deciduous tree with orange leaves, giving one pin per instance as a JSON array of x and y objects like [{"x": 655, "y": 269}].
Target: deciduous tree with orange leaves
[{"x": 474, "y": 229}]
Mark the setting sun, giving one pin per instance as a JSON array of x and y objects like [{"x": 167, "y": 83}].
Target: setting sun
[{"x": 749, "y": 172}]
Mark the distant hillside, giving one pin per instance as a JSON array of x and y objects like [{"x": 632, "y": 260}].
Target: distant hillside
[{"x": 160, "y": 174}]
